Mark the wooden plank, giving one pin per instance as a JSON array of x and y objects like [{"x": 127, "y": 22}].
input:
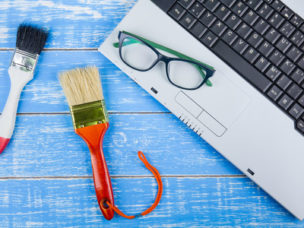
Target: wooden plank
[
  {"x": 187, "y": 202},
  {"x": 44, "y": 93},
  {"x": 72, "y": 24},
  {"x": 46, "y": 145}
]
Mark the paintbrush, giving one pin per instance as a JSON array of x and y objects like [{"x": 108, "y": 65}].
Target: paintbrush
[
  {"x": 29, "y": 44},
  {"x": 82, "y": 88}
]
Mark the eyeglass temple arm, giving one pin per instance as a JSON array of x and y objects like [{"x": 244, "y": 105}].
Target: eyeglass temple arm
[{"x": 171, "y": 51}]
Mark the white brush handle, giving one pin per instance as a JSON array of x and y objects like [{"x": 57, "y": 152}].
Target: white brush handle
[{"x": 8, "y": 118}]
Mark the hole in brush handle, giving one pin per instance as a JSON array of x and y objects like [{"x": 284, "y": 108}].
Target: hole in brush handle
[{"x": 104, "y": 204}]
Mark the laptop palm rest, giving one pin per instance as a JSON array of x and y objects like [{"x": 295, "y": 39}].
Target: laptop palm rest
[
  {"x": 256, "y": 138},
  {"x": 216, "y": 107}
]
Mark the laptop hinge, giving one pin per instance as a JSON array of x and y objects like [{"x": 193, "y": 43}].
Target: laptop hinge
[{"x": 165, "y": 5}]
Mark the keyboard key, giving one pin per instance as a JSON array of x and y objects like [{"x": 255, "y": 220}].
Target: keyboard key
[
  {"x": 301, "y": 100},
  {"x": 251, "y": 55},
  {"x": 233, "y": 21},
  {"x": 265, "y": 11},
  {"x": 211, "y": 4},
  {"x": 229, "y": 37},
  {"x": 276, "y": 57},
  {"x": 276, "y": 20},
  {"x": 287, "y": 29},
  {"x": 186, "y": 3},
  {"x": 187, "y": 20},
  {"x": 285, "y": 102},
  {"x": 228, "y": 3},
  {"x": 239, "y": 8},
  {"x": 209, "y": 39},
  {"x": 207, "y": 19},
  {"x": 296, "y": 20},
  {"x": 198, "y": 30},
  {"x": 287, "y": 13},
  {"x": 294, "y": 54},
  {"x": 273, "y": 73},
  {"x": 284, "y": 82},
  {"x": 261, "y": 26},
  {"x": 300, "y": 126},
  {"x": 298, "y": 76},
  {"x": 283, "y": 44},
  {"x": 274, "y": 93},
  {"x": 255, "y": 39},
  {"x": 298, "y": 38},
  {"x": 218, "y": 28},
  {"x": 294, "y": 91},
  {"x": 254, "y": 4},
  {"x": 277, "y": 5},
  {"x": 301, "y": 63},
  {"x": 177, "y": 11},
  {"x": 296, "y": 111},
  {"x": 222, "y": 12},
  {"x": 266, "y": 48},
  {"x": 240, "y": 46},
  {"x": 272, "y": 36},
  {"x": 197, "y": 9},
  {"x": 263, "y": 40},
  {"x": 247, "y": 71},
  {"x": 250, "y": 17},
  {"x": 287, "y": 66},
  {"x": 244, "y": 30},
  {"x": 302, "y": 28},
  {"x": 262, "y": 64}
]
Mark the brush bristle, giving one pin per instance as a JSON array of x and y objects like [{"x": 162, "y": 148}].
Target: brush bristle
[
  {"x": 31, "y": 39},
  {"x": 81, "y": 85}
]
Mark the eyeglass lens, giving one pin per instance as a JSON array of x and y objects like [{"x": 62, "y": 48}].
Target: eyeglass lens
[
  {"x": 141, "y": 57},
  {"x": 137, "y": 54},
  {"x": 185, "y": 74}
]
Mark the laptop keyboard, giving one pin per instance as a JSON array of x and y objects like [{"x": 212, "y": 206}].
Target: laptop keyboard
[{"x": 263, "y": 40}]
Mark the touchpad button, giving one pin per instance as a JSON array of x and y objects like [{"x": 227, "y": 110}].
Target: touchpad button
[
  {"x": 188, "y": 104},
  {"x": 202, "y": 115},
  {"x": 212, "y": 124},
  {"x": 224, "y": 101}
]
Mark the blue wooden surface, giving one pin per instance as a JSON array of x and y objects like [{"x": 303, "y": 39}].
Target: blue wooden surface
[
  {"x": 45, "y": 173},
  {"x": 187, "y": 202},
  {"x": 44, "y": 94}
]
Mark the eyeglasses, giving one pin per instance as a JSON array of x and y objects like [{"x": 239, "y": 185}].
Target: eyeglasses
[{"x": 142, "y": 55}]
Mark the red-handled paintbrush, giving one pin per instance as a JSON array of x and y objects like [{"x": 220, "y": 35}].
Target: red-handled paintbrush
[{"x": 83, "y": 90}]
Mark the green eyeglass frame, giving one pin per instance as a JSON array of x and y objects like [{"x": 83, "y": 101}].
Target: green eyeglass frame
[{"x": 206, "y": 71}]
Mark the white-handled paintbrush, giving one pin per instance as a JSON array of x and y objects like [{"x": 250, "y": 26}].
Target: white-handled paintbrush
[{"x": 29, "y": 44}]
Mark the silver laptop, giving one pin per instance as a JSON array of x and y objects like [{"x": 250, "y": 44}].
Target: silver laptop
[{"x": 250, "y": 114}]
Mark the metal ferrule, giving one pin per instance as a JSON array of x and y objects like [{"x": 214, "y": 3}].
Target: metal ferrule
[
  {"x": 89, "y": 114},
  {"x": 24, "y": 61}
]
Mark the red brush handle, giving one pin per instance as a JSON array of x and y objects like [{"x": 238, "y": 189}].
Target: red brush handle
[{"x": 93, "y": 136}]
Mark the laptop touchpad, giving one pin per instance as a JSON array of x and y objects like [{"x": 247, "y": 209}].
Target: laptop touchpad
[{"x": 224, "y": 101}]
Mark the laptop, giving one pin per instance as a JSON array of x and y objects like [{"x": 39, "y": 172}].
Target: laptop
[{"x": 253, "y": 114}]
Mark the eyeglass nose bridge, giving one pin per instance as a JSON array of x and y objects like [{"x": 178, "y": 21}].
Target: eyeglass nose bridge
[{"x": 164, "y": 59}]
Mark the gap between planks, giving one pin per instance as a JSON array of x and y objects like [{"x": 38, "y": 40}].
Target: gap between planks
[
  {"x": 123, "y": 177},
  {"x": 110, "y": 113},
  {"x": 57, "y": 49}
]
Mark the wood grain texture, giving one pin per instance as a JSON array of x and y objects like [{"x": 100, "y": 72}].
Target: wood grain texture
[
  {"x": 44, "y": 93},
  {"x": 49, "y": 141},
  {"x": 45, "y": 173},
  {"x": 73, "y": 24},
  {"x": 187, "y": 202}
]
